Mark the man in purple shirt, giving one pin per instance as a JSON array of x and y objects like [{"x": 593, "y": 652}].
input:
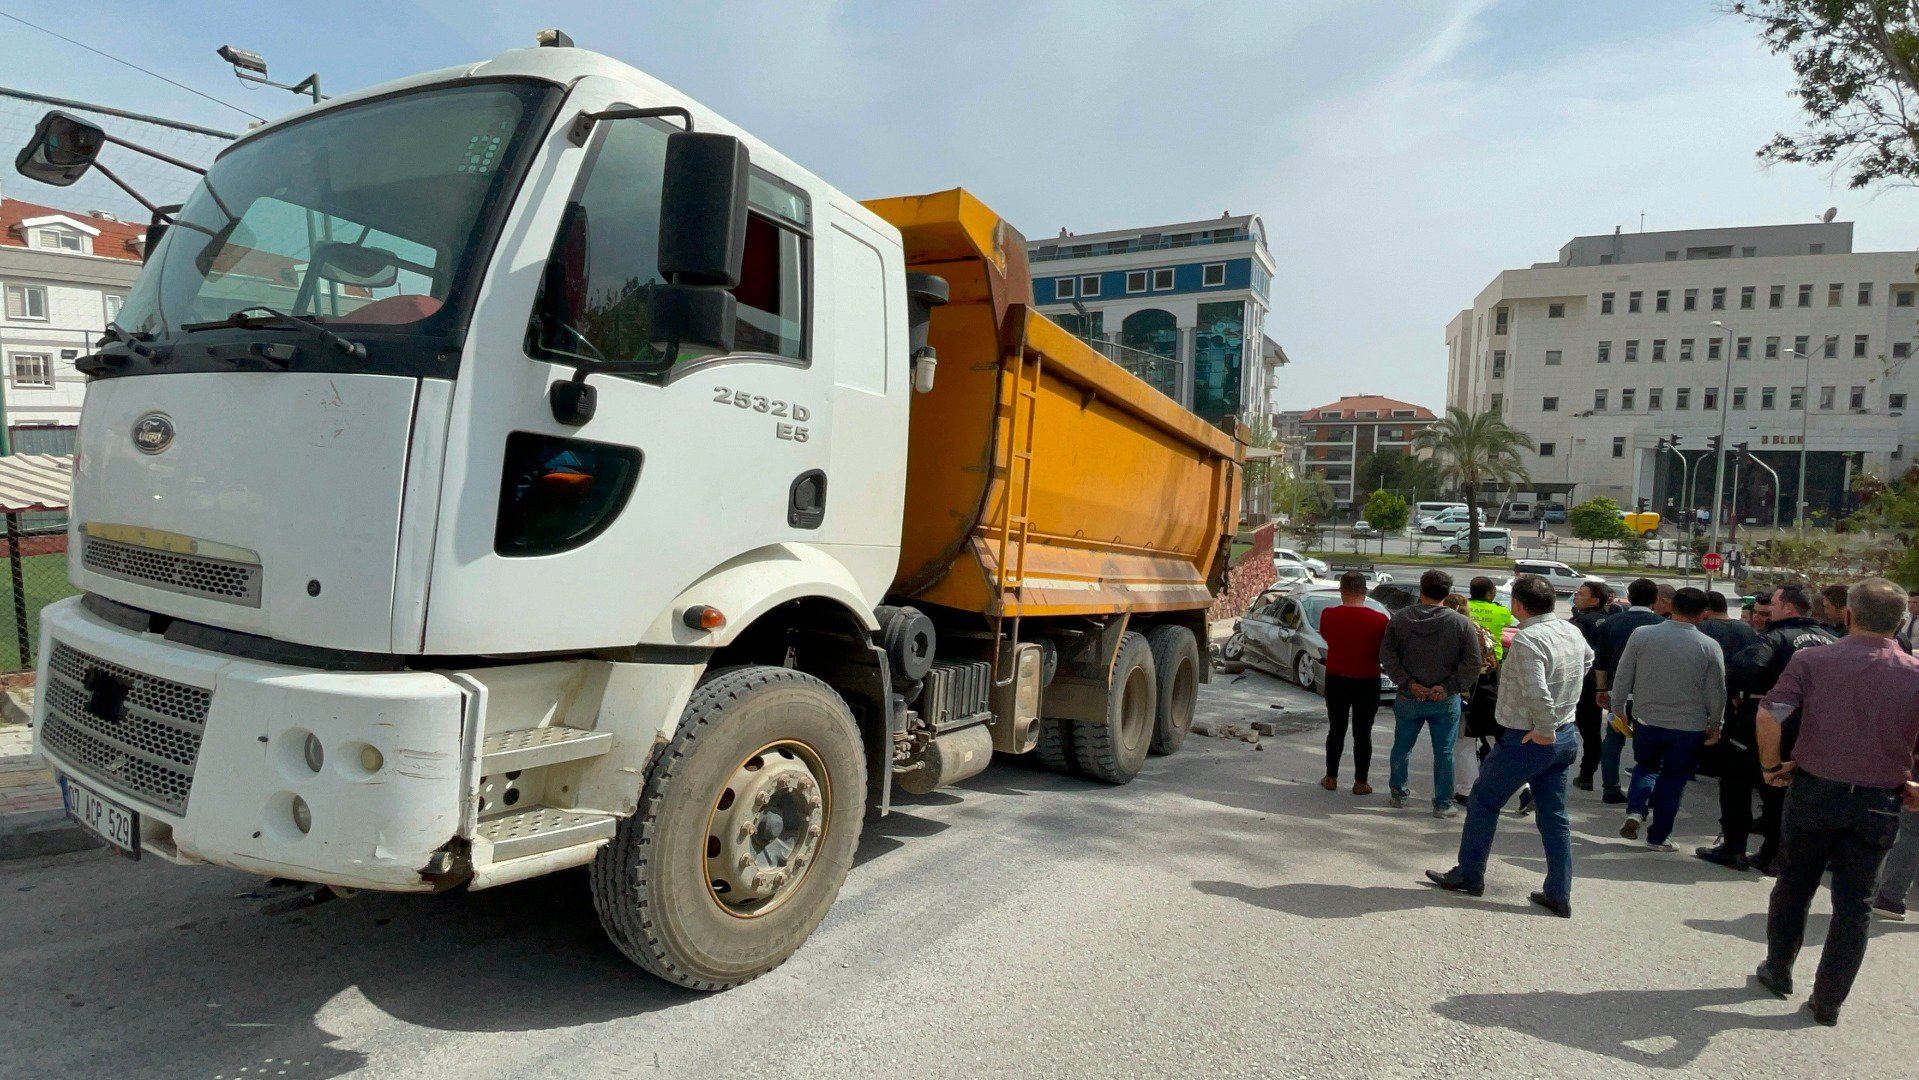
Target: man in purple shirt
[{"x": 1852, "y": 767}]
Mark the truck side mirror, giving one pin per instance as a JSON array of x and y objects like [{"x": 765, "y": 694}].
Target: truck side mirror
[
  {"x": 61, "y": 150},
  {"x": 703, "y": 209}
]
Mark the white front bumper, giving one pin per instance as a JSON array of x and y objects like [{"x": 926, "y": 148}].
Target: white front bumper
[{"x": 370, "y": 827}]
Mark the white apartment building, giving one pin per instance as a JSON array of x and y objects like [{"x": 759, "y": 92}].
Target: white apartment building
[
  {"x": 1631, "y": 337},
  {"x": 62, "y": 277}
]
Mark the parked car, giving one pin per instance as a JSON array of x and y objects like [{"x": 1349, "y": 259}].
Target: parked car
[
  {"x": 1362, "y": 527},
  {"x": 1317, "y": 566},
  {"x": 1519, "y": 510},
  {"x": 1554, "y": 513},
  {"x": 1280, "y": 635},
  {"x": 1426, "y": 511},
  {"x": 1449, "y": 521},
  {"x": 1290, "y": 574},
  {"x": 1564, "y": 579},
  {"x": 1496, "y": 541},
  {"x": 1373, "y": 577},
  {"x": 1502, "y": 589}
]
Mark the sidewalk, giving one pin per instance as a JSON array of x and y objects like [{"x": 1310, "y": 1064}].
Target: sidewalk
[{"x": 32, "y": 821}]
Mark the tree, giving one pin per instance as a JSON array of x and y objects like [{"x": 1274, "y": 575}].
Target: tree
[
  {"x": 1395, "y": 471},
  {"x": 1633, "y": 549},
  {"x": 1387, "y": 514},
  {"x": 1894, "y": 507},
  {"x": 1595, "y": 520},
  {"x": 1314, "y": 494},
  {"x": 1471, "y": 450},
  {"x": 1854, "y": 62}
]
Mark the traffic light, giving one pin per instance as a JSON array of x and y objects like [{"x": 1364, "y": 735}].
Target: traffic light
[
  {"x": 1661, "y": 447},
  {"x": 1712, "y": 443},
  {"x": 1642, "y": 504},
  {"x": 1676, "y": 440},
  {"x": 1744, "y": 450}
]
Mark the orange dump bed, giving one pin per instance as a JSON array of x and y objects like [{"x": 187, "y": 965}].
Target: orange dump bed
[{"x": 1042, "y": 478}]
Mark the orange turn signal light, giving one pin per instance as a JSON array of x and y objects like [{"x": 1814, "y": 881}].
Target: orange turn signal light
[{"x": 702, "y": 617}]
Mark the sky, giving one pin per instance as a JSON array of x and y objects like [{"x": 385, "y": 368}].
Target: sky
[{"x": 1401, "y": 152}]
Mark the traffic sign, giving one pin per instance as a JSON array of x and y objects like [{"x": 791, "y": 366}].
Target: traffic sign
[{"x": 1711, "y": 560}]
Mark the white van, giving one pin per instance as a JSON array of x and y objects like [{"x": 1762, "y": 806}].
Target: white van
[{"x": 1426, "y": 511}]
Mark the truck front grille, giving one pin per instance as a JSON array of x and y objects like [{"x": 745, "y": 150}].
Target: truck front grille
[
  {"x": 137, "y": 734},
  {"x": 194, "y": 575}
]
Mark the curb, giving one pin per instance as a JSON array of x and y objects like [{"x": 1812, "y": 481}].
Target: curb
[{"x": 41, "y": 832}]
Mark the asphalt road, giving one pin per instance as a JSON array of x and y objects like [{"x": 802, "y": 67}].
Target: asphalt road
[{"x": 1222, "y": 915}]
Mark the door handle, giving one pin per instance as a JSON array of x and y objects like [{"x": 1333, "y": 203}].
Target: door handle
[{"x": 806, "y": 500}]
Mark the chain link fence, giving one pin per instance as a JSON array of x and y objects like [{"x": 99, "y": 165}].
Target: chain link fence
[{"x": 35, "y": 576}]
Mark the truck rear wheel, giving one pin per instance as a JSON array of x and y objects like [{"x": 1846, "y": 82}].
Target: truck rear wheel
[
  {"x": 744, "y": 833},
  {"x": 1176, "y": 670},
  {"x": 1114, "y": 749}
]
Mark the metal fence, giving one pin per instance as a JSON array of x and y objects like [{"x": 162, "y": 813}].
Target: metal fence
[{"x": 36, "y": 575}]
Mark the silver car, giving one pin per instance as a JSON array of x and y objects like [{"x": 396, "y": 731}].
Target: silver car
[{"x": 1280, "y": 635}]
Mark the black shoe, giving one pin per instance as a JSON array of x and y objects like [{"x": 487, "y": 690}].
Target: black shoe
[
  {"x": 1561, "y": 908},
  {"x": 1777, "y": 985},
  {"x": 1452, "y": 882},
  {"x": 1822, "y": 1014},
  {"x": 1765, "y": 864},
  {"x": 1584, "y": 783},
  {"x": 1460, "y": 799},
  {"x": 1614, "y": 797},
  {"x": 1724, "y": 856}
]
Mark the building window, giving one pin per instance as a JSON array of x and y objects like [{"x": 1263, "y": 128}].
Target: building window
[
  {"x": 1655, "y": 399},
  {"x": 27, "y": 302},
  {"x": 1738, "y": 397},
  {"x": 30, "y": 370},
  {"x": 1712, "y": 348},
  {"x": 1768, "y": 397},
  {"x": 1658, "y": 350},
  {"x": 1089, "y": 285},
  {"x": 1212, "y": 274},
  {"x": 1832, "y": 346},
  {"x": 1835, "y": 294},
  {"x": 1672, "y": 256},
  {"x": 1605, "y": 303},
  {"x": 1826, "y": 397},
  {"x": 1859, "y": 342},
  {"x": 1865, "y": 294},
  {"x": 1682, "y": 398},
  {"x": 1135, "y": 281},
  {"x": 1555, "y": 311},
  {"x": 1748, "y": 252},
  {"x": 1499, "y": 402},
  {"x": 1499, "y": 363},
  {"x": 113, "y": 306},
  {"x": 1685, "y": 348},
  {"x": 1719, "y": 298},
  {"x": 1772, "y": 348},
  {"x": 1815, "y": 249},
  {"x": 1799, "y": 345},
  {"x": 1895, "y": 401},
  {"x": 1709, "y": 398},
  {"x": 1627, "y": 400},
  {"x": 1858, "y": 398},
  {"x": 1162, "y": 280},
  {"x": 1632, "y": 302},
  {"x": 57, "y": 239},
  {"x": 1547, "y": 449},
  {"x": 1692, "y": 300},
  {"x": 1796, "y": 398},
  {"x": 1746, "y": 294},
  {"x": 1662, "y": 300},
  {"x": 1552, "y": 357},
  {"x": 1805, "y": 296},
  {"x": 1550, "y": 404},
  {"x": 1901, "y": 350},
  {"x": 1632, "y": 351},
  {"x": 1745, "y": 348},
  {"x": 1902, "y": 297},
  {"x": 1619, "y": 446},
  {"x": 1605, "y": 352},
  {"x": 1599, "y": 401},
  {"x": 1499, "y": 321},
  {"x": 1776, "y": 296},
  {"x": 1063, "y": 288}
]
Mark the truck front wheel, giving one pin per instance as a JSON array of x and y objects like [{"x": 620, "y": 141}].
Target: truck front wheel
[
  {"x": 1114, "y": 749},
  {"x": 1176, "y": 669},
  {"x": 744, "y": 833}
]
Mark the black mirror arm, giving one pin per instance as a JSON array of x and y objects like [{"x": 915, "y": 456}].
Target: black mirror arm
[
  {"x": 126, "y": 187},
  {"x": 574, "y": 400},
  {"x": 583, "y": 126}
]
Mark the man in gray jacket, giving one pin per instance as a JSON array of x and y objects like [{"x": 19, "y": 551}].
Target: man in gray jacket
[
  {"x": 1432, "y": 654},
  {"x": 1675, "y": 677}
]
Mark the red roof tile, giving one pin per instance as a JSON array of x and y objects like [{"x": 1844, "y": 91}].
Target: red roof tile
[
  {"x": 1345, "y": 407},
  {"x": 114, "y": 241}
]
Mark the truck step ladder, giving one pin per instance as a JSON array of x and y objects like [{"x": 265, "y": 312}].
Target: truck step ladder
[
  {"x": 1016, "y": 496},
  {"x": 535, "y": 831},
  {"x": 529, "y": 748},
  {"x": 534, "y": 828}
]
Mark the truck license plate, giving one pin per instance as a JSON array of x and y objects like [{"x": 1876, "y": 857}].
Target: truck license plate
[{"x": 101, "y": 816}]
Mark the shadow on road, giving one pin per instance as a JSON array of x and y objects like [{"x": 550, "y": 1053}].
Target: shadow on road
[
  {"x": 1317, "y": 900},
  {"x": 1661, "y": 1029}
]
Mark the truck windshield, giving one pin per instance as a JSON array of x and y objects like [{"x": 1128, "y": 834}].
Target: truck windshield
[{"x": 374, "y": 219}]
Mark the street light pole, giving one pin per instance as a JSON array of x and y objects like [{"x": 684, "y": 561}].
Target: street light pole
[
  {"x": 1805, "y": 416},
  {"x": 1719, "y": 472}
]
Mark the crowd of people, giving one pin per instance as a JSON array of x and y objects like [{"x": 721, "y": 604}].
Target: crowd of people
[{"x": 1806, "y": 705}]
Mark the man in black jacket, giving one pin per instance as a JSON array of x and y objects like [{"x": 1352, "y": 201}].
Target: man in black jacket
[
  {"x": 1642, "y": 594},
  {"x": 1750, "y": 674},
  {"x": 1592, "y": 605}
]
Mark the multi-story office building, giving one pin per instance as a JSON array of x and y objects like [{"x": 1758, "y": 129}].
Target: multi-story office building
[
  {"x": 1339, "y": 436},
  {"x": 1182, "y": 306},
  {"x": 63, "y": 275},
  {"x": 1630, "y": 337}
]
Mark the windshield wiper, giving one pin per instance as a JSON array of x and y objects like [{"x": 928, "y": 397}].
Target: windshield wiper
[
  {"x": 117, "y": 346},
  {"x": 261, "y": 317}
]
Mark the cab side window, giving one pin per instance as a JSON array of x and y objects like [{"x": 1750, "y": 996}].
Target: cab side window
[{"x": 594, "y": 294}]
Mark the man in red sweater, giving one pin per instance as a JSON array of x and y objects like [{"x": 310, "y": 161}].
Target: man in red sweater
[{"x": 1353, "y": 632}]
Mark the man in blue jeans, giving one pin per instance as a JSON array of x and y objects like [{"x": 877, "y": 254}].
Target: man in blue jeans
[
  {"x": 1642, "y": 594},
  {"x": 1432, "y": 654},
  {"x": 1540, "y": 681},
  {"x": 1675, "y": 677}
]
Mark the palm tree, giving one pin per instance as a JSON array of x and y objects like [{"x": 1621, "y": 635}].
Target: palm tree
[{"x": 1471, "y": 450}]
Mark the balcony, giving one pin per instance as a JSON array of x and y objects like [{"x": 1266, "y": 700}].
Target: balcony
[
  {"x": 1051, "y": 253},
  {"x": 1163, "y": 373}
]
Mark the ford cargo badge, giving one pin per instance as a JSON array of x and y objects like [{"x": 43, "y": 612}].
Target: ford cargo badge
[{"x": 153, "y": 433}]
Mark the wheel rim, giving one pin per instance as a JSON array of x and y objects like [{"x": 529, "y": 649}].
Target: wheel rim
[
  {"x": 1233, "y": 649},
  {"x": 766, "y": 828},
  {"x": 1303, "y": 671},
  {"x": 1135, "y": 710}
]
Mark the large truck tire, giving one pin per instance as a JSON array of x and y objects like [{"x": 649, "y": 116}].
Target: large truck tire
[
  {"x": 744, "y": 833},
  {"x": 1114, "y": 749},
  {"x": 1176, "y": 671},
  {"x": 1055, "y": 748}
]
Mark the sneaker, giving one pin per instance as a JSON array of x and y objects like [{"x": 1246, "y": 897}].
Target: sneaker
[
  {"x": 1401, "y": 798},
  {"x": 1891, "y": 910},
  {"x": 1660, "y": 846},
  {"x": 1724, "y": 856},
  {"x": 1561, "y": 908},
  {"x": 1330, "y": 783},
  {"x": 1614, "y": 797},
  {"x": 1779, "y": 986},
  {"x": 1584, "y": 783},
  {"x": 1630, "y": 828},
  {"x": 1362, "y": 788},
  {"x": 1445, "y": 811}
]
